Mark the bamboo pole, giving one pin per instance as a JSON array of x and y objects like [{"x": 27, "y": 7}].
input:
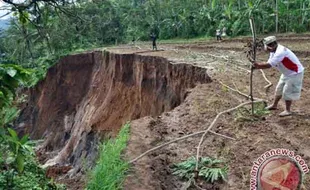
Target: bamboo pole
[{"x": 254, "y": 59}]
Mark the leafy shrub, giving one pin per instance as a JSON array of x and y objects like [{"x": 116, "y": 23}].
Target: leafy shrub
[
  {"x": 210, "y": 169},
  {"x": 19, "y": 169}
]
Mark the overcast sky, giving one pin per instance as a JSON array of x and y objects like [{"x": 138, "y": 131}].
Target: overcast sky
[{"x": 3, "y": 12}]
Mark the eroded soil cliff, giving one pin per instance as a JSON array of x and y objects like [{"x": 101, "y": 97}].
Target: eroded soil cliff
[{"x": 87, "y": 97}]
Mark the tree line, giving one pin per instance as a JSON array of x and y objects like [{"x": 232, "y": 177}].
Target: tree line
[{"x": 52, "y": 27}]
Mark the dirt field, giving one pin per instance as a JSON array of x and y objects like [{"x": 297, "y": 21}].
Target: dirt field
[{"x": 226, "y": 63}]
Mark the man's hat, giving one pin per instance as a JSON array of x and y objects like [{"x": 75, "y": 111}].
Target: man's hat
[{"x": 269, "y": 40}]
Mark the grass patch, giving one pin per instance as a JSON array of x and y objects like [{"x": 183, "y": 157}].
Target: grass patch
[
  {"x": 186, "y": 40},
  {"x": 110, "y": 170}
]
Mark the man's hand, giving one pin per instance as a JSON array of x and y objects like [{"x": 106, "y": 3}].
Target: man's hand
[{"x": 255, "y": 65}]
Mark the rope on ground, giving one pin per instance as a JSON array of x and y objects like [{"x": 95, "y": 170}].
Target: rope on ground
[
  {"x": 214, "y": 122},
  {"x": 269, "y": 83},
  {"x": 241, "y": 68},
  {"x": 175, "y": 50},
  {"x": 136, "y": 46},
  {"x": 241, "y": 93},
  {"x": 171, "y": 49},
  {"x": 235, "y": 86},
  {"x": 216, "y": 56},
  {"x": 263, "y": 73},
  {"x": 242, "y": 63},
  {"x": 178, "y": 139},
  {"x": 227, "y": 58}
]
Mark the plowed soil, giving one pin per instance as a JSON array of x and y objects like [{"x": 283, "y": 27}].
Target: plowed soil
[{"x": 226, "y": 63}]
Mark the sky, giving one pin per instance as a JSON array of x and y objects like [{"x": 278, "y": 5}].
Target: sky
[{"x": 3, "y": 12}]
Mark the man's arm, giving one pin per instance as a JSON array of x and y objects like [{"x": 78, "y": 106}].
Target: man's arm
[{"x": 261, "y": 65}]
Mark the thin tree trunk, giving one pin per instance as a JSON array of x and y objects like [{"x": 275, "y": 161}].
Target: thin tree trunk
[
  {"x": 300, "y": 8},
  {"x": 263, "y": 24},
  {"x": 303, "y": 13},
  {"x": 277, "y": 16},
  {"x": 27, "y": 41},
  {"x": 287, "y": 16},
  {"x": 252, "y": 24}
]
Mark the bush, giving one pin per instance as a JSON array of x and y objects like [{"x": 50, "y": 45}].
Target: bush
[{"x": 19, "y": 169}]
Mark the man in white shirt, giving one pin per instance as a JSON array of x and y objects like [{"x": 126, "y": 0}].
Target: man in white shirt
[{"x": 290, "y": 83}]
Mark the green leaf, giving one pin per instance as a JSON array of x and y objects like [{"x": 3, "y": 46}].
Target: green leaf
[
  {"x": 28, "y": 148},
  {"x": 12, "y": 72},
  {"x": 250, "y": 4},
  {"x": 24, "y": 140},
  {"x": 13, "y": 134},
  {"x": 2, "y": 132},
  {"x": 9, "y": 160},
  {"x": 213, "y": 4},
  {"x": 20, "y": 162},
  {"x": 10, "y": 114}
]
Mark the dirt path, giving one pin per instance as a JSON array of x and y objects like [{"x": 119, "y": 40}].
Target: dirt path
[{"x": 226, "y": 63}]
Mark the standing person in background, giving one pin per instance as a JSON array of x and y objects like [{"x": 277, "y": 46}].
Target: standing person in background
[
  {"x": 154, "y": 37},
  {"x": 133, "y": 41},
  {"x": 224, "y": 32},
  {"x": 218, "y": 35},
  {"x": 290, "y": 83}
]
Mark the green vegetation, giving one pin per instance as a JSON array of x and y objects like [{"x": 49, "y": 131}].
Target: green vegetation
[
  {"x": 245, "y": 114},
  {"x": 18, "y": 166},
  {"x": 110, "y": 170},
  {"x": 11, "y": 77},
  {"x": 19, "y": 169},
  {"x": 210, "y": 169},
  {"x": 54, "y": 28}
]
